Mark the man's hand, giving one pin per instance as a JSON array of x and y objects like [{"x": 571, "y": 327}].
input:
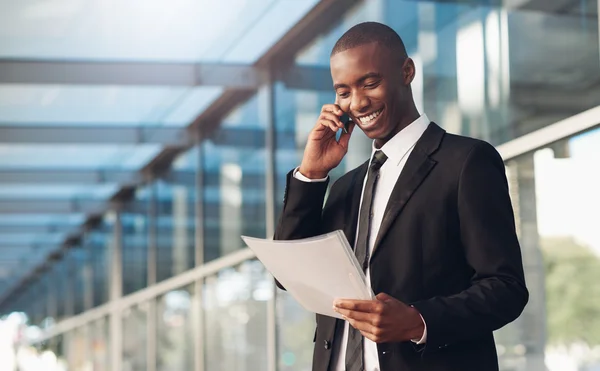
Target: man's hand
[
  {"x": 383, "y": 320},
  {"x": 323, "y": 152}
]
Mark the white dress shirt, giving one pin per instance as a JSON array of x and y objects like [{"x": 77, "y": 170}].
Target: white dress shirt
[{"x": 397, "y": 150}]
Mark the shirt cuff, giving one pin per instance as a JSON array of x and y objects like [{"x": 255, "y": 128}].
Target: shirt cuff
[
  {"x": 298, "y": 175},
  {"x": 423, "y": 339}
]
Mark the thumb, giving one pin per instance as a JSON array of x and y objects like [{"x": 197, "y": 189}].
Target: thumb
[
  {"x": 345, "y": 137},
  {"x": 384, "y": 297}
]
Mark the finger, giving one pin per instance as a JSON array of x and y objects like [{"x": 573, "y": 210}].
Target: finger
[
  {"x": 355, "y": 315},
  {"x": 367, "y": 330},
  {"x": 382, "y": 296},
  {"x": 329, "y": 124},
  {"x": 374, "y": 338},
  {"x": 345, "y": 137},
  {"x": 367, "y": 306},
  {"x": 332, "y": 117},
  {"x": 334, "y": 108}
]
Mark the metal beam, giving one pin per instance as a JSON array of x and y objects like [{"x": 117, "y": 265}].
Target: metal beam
[
  {"x": 313, "y": 78},
  {"x": 112, "y": 176},
  {"x": 93, "y": 206},
  {"x": 70, "y": 176},
  {"x": 566, "y": 128},
  {"x": 50, "y": 206},
  {"x": 30, "y": 245},
  {"x": 38, "y": 229},
  {"x": 239, "y": 76},
  {"x": 92, "y": 134},
  {"x": 249, "y": 137},
  {"x": 86, "y": 176}
]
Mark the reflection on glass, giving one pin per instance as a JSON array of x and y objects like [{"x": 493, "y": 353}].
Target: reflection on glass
[
  {"x": 77, "y": 259},
  {"x": 99, "y": 345},
  {"x": 175, "y": 223},
  {"x": 134, "y": 219},
  {"x": 295, "y": 330},
  {"x": 234, "y": 159},
  {"x": 135, "y": 338},
  {"x": 175, "y": 341},
  {"x": 235, "y": 307},
  {"x": 492, "y": 72},
  {"x": 99, "y": 241},
  {"x": 556, "y": 200},
  {"x": 78, "y": 349}
]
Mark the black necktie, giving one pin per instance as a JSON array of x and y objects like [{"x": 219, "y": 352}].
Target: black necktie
[{"x": 354, "y": 349}]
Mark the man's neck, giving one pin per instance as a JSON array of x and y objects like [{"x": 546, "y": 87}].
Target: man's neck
[{"x": 402, "y": 124}]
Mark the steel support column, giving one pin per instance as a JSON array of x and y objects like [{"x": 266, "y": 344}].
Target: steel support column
[
  {"x": 116, "y": 291},
  {"x": 151, "y": 326},
  {"x": 266, "y": 98},
  {"x": 197, "y": 308}
]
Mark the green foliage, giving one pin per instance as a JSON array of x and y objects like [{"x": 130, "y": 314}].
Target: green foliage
[{"x": 572, "y": 292}]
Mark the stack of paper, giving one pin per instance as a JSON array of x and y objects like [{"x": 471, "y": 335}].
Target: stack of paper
[{"x": 315, "y": 271}]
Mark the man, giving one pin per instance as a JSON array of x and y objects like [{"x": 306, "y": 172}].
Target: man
[{"x": 429, "y": 217}]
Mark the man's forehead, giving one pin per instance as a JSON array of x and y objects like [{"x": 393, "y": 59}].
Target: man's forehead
[
  {"x": 368, "y": 56},
  {"x": 362, "y": 50}
]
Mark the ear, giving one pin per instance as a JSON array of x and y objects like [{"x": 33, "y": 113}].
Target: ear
[{"x": 408, "y": 71}]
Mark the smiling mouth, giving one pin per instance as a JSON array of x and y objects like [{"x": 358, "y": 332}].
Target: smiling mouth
[{"x": 368, "y": 120}]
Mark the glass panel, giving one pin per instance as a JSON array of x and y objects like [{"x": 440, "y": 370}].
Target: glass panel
[
  {"x": 79, "y": 349},
  {"x": 75, "y": 156},
  {"x": 100, "y": 345},
  {"x": 235, "y": 305},
  {"x": 135, "y": 338},
  {"x": 295, "y": 331},
  {"x": 145, "y": 31},
  {"x": 59, "y": 347},
  {"x": 134, "y": 219},
  {"x": 59, "y": 191},
  {"x": 85, "y": 104},
  {"x": 79, "y": 266},
  {"x": 175, "y": 324},
  {"x": 234, "y": 159},
  {"x": 60, "y": 276},
  {"x": 99, "y": 240},
  {"x": 556, "y": 206},
  {"x": 194, "y": 103},
  {"x": 487, "y": 71},
  {"x": 176, "y": 195}
]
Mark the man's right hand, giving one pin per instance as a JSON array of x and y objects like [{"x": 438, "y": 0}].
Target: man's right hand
[{"x": 323, "y": 152}]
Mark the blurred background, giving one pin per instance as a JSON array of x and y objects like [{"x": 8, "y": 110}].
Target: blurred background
[{"x": 140, "y": 138}]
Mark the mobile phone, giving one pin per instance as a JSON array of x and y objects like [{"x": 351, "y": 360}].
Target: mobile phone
[{"x": 345, "y": 119}]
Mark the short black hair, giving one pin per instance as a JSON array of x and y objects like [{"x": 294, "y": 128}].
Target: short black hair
[{"x": 371, "y": 32}]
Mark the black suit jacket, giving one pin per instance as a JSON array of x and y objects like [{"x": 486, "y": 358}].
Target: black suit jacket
[{"x": 447, "y": 245}]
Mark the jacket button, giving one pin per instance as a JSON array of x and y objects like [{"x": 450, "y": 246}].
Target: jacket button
[{"x": 327, "y": 344}]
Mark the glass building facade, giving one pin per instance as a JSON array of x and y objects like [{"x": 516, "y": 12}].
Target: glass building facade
[{"x": 162, "y": 280}]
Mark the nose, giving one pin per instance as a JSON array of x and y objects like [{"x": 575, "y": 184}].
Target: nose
[{"x": 360, "y": 103}]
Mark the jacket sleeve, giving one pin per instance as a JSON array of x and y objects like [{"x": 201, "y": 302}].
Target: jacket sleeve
[
  {"x": 302, "y": 210},
  {"x": 497, "y": 294}
]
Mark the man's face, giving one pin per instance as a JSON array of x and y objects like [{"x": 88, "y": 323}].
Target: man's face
[{"x": 372, "y": 87}]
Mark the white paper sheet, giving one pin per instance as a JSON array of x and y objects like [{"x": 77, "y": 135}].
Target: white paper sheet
[{"x": 315, "y": 271}]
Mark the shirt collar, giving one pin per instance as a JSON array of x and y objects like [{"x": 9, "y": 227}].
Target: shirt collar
[{"x": 396, "y": 148}]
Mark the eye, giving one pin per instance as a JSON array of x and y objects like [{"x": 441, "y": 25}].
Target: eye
[
  {"x": 343, "y": 94},
  {"x": 372, "y": 85}
]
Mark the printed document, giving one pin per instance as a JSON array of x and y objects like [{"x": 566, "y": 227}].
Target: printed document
[{"x": 315, "y": 271}]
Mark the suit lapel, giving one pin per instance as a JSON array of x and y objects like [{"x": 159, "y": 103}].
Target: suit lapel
[{"x": 416, "y": 169}]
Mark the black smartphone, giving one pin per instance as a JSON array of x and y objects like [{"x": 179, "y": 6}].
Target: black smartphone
[{"x": 345, "y": 119}]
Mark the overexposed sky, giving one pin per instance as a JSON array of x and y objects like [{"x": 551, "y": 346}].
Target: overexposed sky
[{"x": 568, "y": 191}]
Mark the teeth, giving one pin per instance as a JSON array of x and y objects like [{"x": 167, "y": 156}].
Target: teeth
[{"x": 371, "y": 117}]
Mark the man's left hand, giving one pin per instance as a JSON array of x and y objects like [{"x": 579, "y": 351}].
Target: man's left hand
[{"x": 383, "y": 320}]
